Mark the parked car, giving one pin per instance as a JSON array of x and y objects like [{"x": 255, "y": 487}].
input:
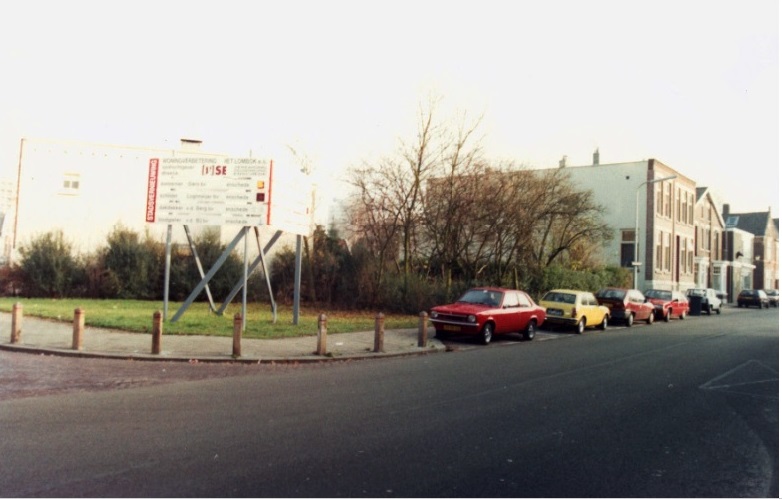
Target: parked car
[
  {"x": 626, "y": 305},
  {"x": 708, "y": 298},
  {"x": 578, "y": 309},
  {"x": 753, "y": 298},
  {"x": 488, "y": 311},
  {"x": 668, "y": 304},
  {"x": 773, "y": 297}
]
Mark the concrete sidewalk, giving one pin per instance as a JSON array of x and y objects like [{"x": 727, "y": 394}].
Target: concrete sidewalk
[{"x": 52, "y": 337}]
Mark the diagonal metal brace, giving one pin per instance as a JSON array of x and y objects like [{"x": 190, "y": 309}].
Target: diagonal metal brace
[
  {"x": 259, "y": 260},
  {"x": 219, "y": 263}
]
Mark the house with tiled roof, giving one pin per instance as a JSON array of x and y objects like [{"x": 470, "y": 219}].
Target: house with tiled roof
[
  {"x": 765, "y": 248},
  {"x": 711, "y": 267}
]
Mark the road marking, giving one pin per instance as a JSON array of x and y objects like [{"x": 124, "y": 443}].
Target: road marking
[{"x": 741, "y": 379}]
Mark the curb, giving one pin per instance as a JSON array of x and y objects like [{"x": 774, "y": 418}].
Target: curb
[{"x": 215, "y": 360}]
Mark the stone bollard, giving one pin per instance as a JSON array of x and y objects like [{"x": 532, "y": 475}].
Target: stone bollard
[
  {"x": 380, "y": 331},
  {"x": 237, "y": 351},
  {"x": 78, "y": 328},
  {"x": 16, "y": 323},
  {"x": 157, "y": 331},
  {"x": 322, "y": 327},
  {"x": 423, "y": 316}
]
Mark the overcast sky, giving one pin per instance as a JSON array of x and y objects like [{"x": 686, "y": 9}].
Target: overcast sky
[{"x": 694, "y": 84}]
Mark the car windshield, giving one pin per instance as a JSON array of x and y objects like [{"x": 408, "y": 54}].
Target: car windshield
[
  {"x": 482, "y": 297},
  {"x": 613, "y": 294},
  {"x": 659, "y": 294},
  {"x": 772, "y": 292},
  {"x": 558, "y": 297},
  {"x": 696, "y": 292}
]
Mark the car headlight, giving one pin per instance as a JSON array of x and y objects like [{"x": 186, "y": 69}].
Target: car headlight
[
  {"x": 434, "y": 314},
  {"x": 470, "y": 318}
]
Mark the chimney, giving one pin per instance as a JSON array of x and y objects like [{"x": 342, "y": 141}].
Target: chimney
[
  {"x": 596, "y": 157},
  {"x": 725, "y": 210},
  {"x": 563, "y": 162},
  {"x": 190, "y": 144}
]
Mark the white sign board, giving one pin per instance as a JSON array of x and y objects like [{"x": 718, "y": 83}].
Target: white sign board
[
  {"x": 291, "y": 207},
  {"x": 208, "y": 191}
]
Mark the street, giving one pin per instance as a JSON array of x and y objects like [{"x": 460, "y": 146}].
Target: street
[{"x": 687, "y": 408}]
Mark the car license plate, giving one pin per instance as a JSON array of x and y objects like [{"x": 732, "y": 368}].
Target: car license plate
[
  {"x": 452, "y": 328},
  {"x": 554, "y": 311}
]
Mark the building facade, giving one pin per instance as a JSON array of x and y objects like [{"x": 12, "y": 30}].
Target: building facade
[
  {"x": 660, "y": 202},
  {"x": 711, "y": 266},
  {"x": 765, "y": 245}
]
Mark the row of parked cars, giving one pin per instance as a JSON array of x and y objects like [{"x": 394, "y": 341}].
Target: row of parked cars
[{"x": 489, "y": 311}]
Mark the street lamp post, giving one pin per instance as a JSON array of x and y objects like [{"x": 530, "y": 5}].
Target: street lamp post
[{"x": 637, "y": 262}]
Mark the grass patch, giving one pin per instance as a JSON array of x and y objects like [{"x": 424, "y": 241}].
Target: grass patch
[{"x": 136, "y": 316}]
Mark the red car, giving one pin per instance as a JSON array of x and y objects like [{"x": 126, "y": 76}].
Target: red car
[
  {"x": 668, "y": 304},
  {"x": 626, "y": 305},
  {"x": 489, "y": 311}
]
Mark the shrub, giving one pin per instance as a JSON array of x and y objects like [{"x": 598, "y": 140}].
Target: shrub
[
  {"x": 132, "y": 266},
  {"x": 48, "y": 266}
]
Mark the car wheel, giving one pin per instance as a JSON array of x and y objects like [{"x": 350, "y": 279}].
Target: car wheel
[
  {"x": 531, "y": 331},
  {"x": 650, "y": 319},
  {"x": 629, "y": 321},
  {"x": 486, "y": 333},
  {"x": 719, "y": 310},
  {"x": 604, "y": 324},
  {"x": 683, "y": 316},
  {"x": 708, "y": 310},
  {"x": 580, "y": 326},
  {"x": 668, "y": 315}
]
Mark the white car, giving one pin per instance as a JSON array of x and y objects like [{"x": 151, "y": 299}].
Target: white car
[{"x": 710, "y": 302}]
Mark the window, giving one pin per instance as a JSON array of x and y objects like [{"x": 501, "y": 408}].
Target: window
[
  {"x": 683, "y": 257},
  {"x": 523, "y": 301},
  {"x": 667, "y": 254},
  {"x": 70, "y": 184},
  {"x": 658, "y": 251},
  {"x": 628, "y": 248},
  {"x": 678, "y": 204},
  {"x": 658, "y": 198},
  {"x": 691, "y": 209},
  {"x": 716, "y": 254},
  {"x": 667, "y": 194},
  {"x": 691, "y": 257},
  {"x": 511, "y": 300}
]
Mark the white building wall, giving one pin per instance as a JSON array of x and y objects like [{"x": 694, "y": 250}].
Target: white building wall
[{"x": 614, "y": 187}]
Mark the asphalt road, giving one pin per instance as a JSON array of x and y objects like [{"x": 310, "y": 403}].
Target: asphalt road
[{"x": 687, "y": 409}]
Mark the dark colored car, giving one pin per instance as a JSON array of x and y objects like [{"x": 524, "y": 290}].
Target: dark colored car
[
  {"x": 708, "y": 299},
  {"x": 773, "y": 297},
  {"x": 752, "y": 298},
  {"x": 626, "y": 305},
  {"x": 489, "y": 311},
  {"x": 668, "y": 304}
]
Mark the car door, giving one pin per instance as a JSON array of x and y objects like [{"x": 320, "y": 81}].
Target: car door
[
  {"x": 592, "y": 309},
  {"x": 679, "y": 304},
  {"x": 642, "y": 309},
  {"x": 505, "y": 312},
  {"x": 525, "y": 312}
]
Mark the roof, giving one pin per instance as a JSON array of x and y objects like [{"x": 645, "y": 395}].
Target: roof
[{"x": 754, "y": 223}]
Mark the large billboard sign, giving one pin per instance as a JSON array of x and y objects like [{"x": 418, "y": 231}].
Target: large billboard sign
[{"x": 190, "y": 190}]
